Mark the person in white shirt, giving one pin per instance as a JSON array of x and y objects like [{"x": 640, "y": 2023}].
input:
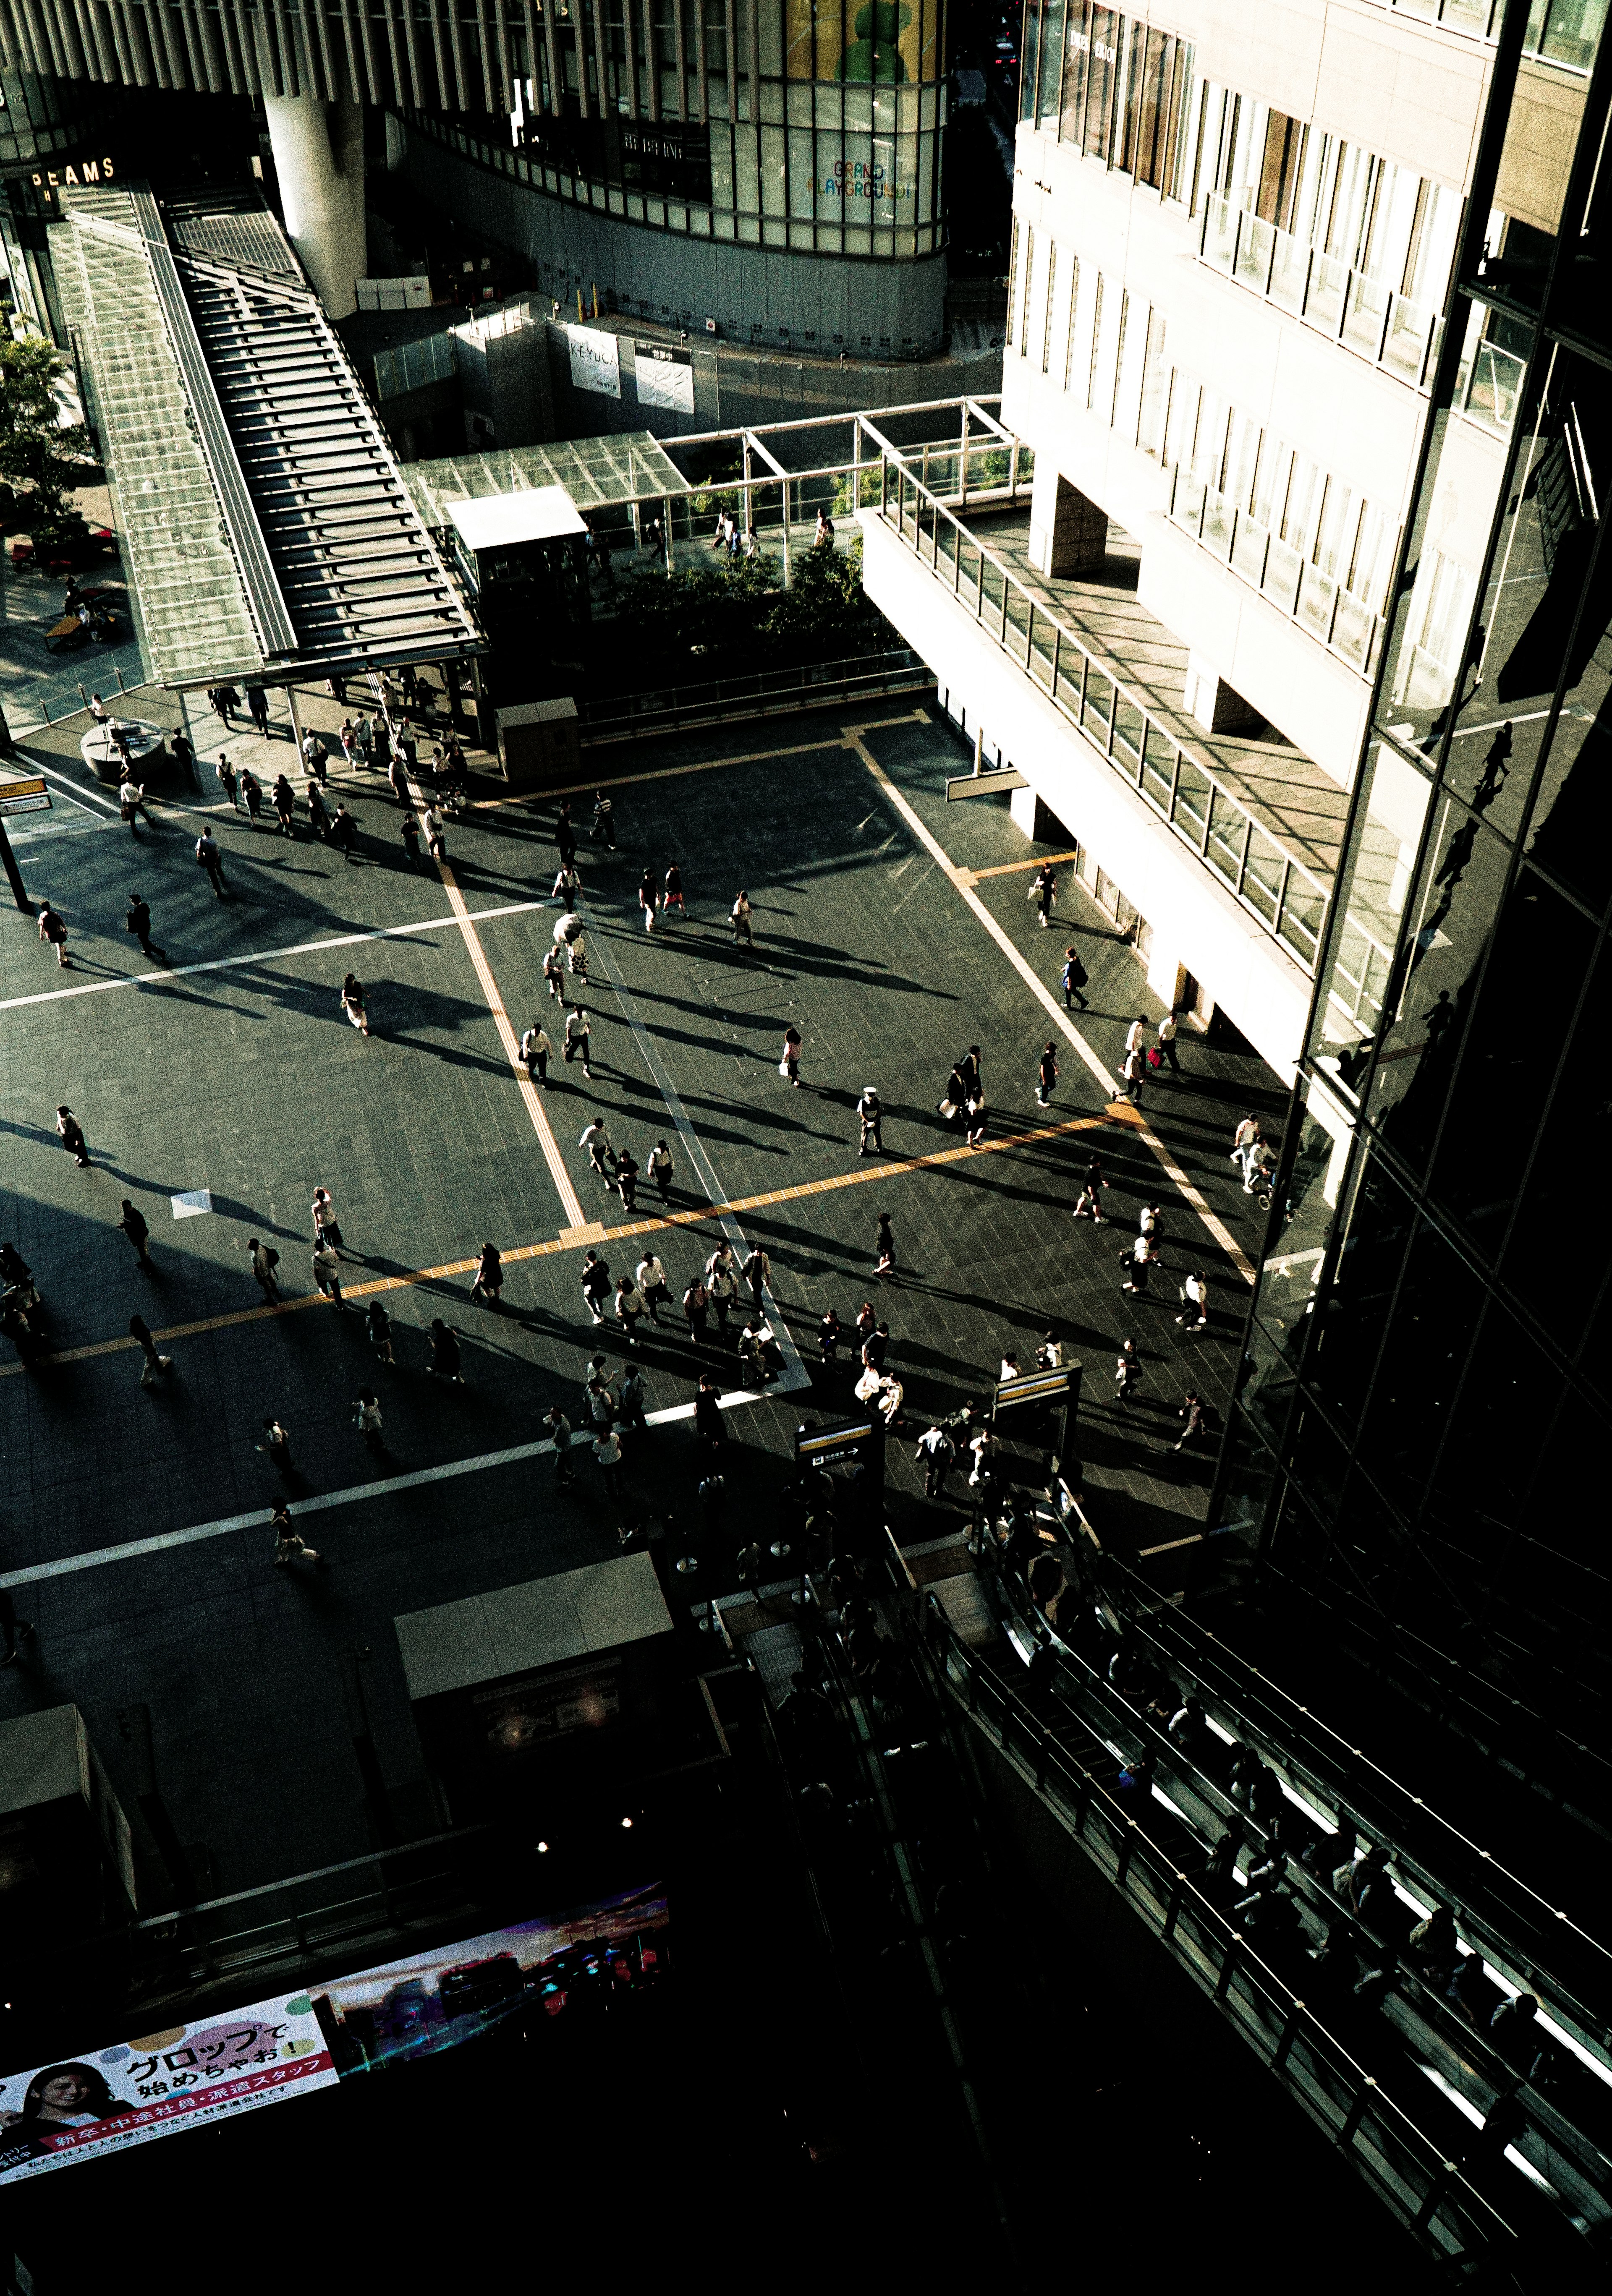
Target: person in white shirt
[
  {"x": 937, "y": 1453},
  {"x": 366, "y": 1419},
  {"x": 650, "y": 1276},
  {"x": 660, "y": 1169},
  {"x": 436, "y": 833},
  {"x": 1166, "y": 1043},
  {"x": 1245, "y": 1151},
  {"x": 601, "y": 1155},
  {"x": 738, "y": 916},
  {"x": 576, "y": 1038},
  {"x": 1050, "y": 1354},
  {"x": 607, "y": 1451},
  {"x": 1194, "y": 1302},
  {"x": 536, "y": 1046},
  {"x": 1135, "y": 1033}
]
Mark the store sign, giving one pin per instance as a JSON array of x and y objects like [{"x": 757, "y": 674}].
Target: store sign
[
  {"x": 862, "y": 179},
  {"x": 28, "y": 795},
  {"x": 181, "y": 2077},
  {"x": 595, "y": 361},
  {"x": 76, "y": 171},
  {"x": 664, "y": 376}
]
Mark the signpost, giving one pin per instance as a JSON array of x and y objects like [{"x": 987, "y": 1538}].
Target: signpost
[
  {"x": 19, "y": 793},
  {"x": 836, "y": 1438}
]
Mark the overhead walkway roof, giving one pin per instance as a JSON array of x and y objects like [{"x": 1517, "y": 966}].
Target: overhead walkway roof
[
  {"x": 266, "y": 524},
  {"x": 629, "y": 466}
]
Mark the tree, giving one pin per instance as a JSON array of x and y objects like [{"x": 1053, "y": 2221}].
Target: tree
[{"x": 37, "y": 450}]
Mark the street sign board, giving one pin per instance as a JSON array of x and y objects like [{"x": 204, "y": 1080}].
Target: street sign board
[
  {"x": 833, "y": 1441},
  {"x": 24, "y": 794}
]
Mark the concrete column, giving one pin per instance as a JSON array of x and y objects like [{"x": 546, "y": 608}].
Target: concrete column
[
  {"x": 322, "y": 191},
  {"x": 1218, "y": 708},
  {"x": 1166, "y": 976},
  {"x": 1068, "y": 531}
]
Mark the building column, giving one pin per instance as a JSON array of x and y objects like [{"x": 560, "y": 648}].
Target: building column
[
  {"x": 1068, "y": 531},
  {"x": 1218, "y": 708},
  {"x": 322, "y": 191}
]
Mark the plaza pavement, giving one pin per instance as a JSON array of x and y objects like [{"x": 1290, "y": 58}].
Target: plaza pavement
[{"x": 235, "y": 1072}]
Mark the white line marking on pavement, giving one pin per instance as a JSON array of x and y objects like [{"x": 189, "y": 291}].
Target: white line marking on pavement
[
  {"x": 321, "y": 1501},
  {"x": 155, "y": 980},
  {"x": 1099, "y": 1067}
]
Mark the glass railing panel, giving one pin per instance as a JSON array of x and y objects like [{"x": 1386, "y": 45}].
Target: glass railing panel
[
  {"x": 1193, "y": 790},
  {"x": 1219, "y": 234},
  {"x": 1496, "y": 383},
  {"x": 1098, "y": 711},
  {"x": 1102, "y": 1836},
  {"x": 1067, "y": 694},
  {"x": 1219, "y": 519},
  {"x": 1255, "y": 246},
  {"x": 1040, "y": 664},
  {"x": 1284, "y": 570},
  {"x": 1327, "y": 2088},
  {"x": 1248, "y": 548},
  {"x": 995, "y": 583},
  {"x": 1261, "y": 2013},
  {"x": 1158, "y": 768},
  {"x": 1383, "y": 2146},
  {"x": 1198, "y": 1939},
  {"x": 1227, "y": 825},
  {"x": 1263, "y": 877},
  {"x": 1353, "y": 628},
  {"x": 1130, "y": 726},
  {"x": 1405, "y": 347},
  {"x": 1328, "y": 287},
  {"x": 1149, "y": 1884},
  {"x": 1187, "y": 506},
  {"x": 1365, "y": 315},
  {"x": 1317, "y": 596},
  {"x": 1289, "y": 272}
]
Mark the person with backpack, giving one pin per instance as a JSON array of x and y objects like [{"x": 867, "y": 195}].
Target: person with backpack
[
  {"x": 265, "y": 1260},
  {"x": 1075, "y": 977}
]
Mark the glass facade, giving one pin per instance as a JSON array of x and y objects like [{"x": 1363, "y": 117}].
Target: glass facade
[
  {"x": 1428, "y": 1368},
  {"x": 805, "y": 124}
]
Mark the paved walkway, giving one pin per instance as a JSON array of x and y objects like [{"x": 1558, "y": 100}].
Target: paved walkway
[{"x": 136, "y": 1524}]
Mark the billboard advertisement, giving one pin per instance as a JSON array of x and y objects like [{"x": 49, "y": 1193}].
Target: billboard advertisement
[
  {"x": 181, "y": 2077},
  {"x": 429, "y": 2002},
  {"x": 595, "y": 362},
  {"x": 664, "y": 376}
]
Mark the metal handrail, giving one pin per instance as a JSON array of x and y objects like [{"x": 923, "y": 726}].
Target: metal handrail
[
  {"x": 1450, "y": 2213},
  {"x": 1085, "y": 689}
]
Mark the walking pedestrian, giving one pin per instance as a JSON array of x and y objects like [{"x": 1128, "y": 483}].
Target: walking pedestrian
[
  {"x": 536, "y": 1047},
  {"x": 226, "y": 774},
  {"x": 1136, "y": 1034},
  {"x": 607, "y": 1456},
  {"x": 256, "y": 703},
  {"x": 884, "y": 1245},
  {"x": 831, "y": 1334},
  {"x": 410, "y": 831},
  {"x": 1045, "y": 1074},
  {"x": 647, "y": 898},
  {"x": 137, "y": 921},
  {"x": 224, "y": 699},
  {"x": 265, "y": 1260},
  {"x": 650, "y": 1276},
  {"x": 1166, "y": 1043},
  {"x": 1127, "y": 1372},
  {"x": 53, "y": 931},
  {"x": 1133, "y": 1072},
  {"x": 739, "y": 918},
  {"x": 936, "y": 1454},
  {"x": 131, "y": 800},
  {"x": 1194, "y": 1302},
  {"x": 366, "y": 1419},
  {"x": 696, "y": 1305},
  {"x": 1195, "y": 1412},
  {"x": 73, "y": 1137},
  {"x": 289, "y": 1547},
  {"x": 673, "y": 899},
  {"x": 1246, "y": 1145},
  {"x": 789, "y": 1066},
  {"x": 327, "y": 1274},
  {"x": 633, "y": 1414},
  {"x": 559, "y": 1433},
  {"x": 275, "y": 1444},
  {"x": 567, "y": 886},
  {"x": 285, "y": 807},
  {"x": 601, "y": 1155},
  {"x": 1089, "y": 1204},
  {"x": 625, "y": 1181},
  {"x": 251, "y": 791},
  {"x": 436, "y": 832},
  {"x": 377, "y": 1331},
  {"x": 1075, "y": 978},
  {"x": 318, "y": 812},
  {"x": 576, "y": 1040},
  {"x": 604, "y": 820},
  {"x": 595, "y": 1285},
  {"x": 1043, "y": 890},
  {"x": 212, "y": 860},
  {"x": 870, "y": 1117},
  {"x": 565, "y": 833},
  {"x": 444, "y": 1354},
  {"x": 489, "y": 1275},
  {"x": 722, "y": 1283},
  {"x": 314, "y": 753},
  {"x": 555, "y": 976},
  {"x": 397, "y": 780},
  {"x": 155, "y": 1364},
  {"x": 352, "y": 1003},
  {"x": 11, "y": 1626},
  {"x": 134, "y": 1226},
  {"x": 327, "y": 1228},
  {"x": 757, "y": 1272},
  {"x": 629, "y": 1308},
  {"x": 660, "y": 1169},
  {"x": 972, "y": 1074},
  {"x": 344, "y": 832},
  {"x": 1138, "y": 1259}
]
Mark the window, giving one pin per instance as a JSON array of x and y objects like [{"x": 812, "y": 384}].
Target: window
[
  {"x": 1124, "y": 93},
  {"x": 1156, "y": 387},
  {"x": 1097, "y": 338},
  {"x": 1075, "y": 304},
  {"x": 1013, "y": 274},
  {"x": 1052, "y": 293},
  {"x": 1119, "y": 356},
  {"x": 1029, "y": 288}
]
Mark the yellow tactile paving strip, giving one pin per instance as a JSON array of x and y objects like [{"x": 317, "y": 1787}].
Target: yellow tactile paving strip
[{"x": 694, "y": 1216}]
